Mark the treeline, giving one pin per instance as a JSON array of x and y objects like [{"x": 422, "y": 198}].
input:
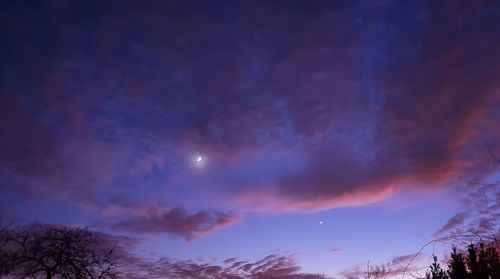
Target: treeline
[{"x": 478, "y": 261}]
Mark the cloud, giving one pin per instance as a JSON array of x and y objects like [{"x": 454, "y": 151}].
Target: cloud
[
  {"x": 417, "y": 133},
  {"x": 272, "y": 266},
  {"x": 274, "y": 203},
  {"x": 130, "y": 265},
  {"x": 177, "y": 222},
  {"x": 335, "y": 250},
  {"x": 479, "y": 210},
  {"x": 396, "y": 266},
  {"x": 365, "y": 114},
  {"x": 455, "y": 221}
]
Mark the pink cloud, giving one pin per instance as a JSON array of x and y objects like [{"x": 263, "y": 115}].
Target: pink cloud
[{"x": 269, "y": 202}]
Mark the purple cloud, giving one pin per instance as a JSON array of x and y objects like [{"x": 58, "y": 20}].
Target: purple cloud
[
  {"x": 454, "y": 222},
  {"x": 335, "y": 250},
  {"x": 272, "y": 266},
  {"x": 368, "y": 129},
  {"x": 176, "y": 221},
  {"x": 478, "y": 216},
  {"x": 396, "y": 266}
]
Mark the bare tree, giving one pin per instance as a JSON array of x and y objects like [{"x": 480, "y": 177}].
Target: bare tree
[
  {"x": 6, "y": 262},
  {"x": 55, "y": 252}
]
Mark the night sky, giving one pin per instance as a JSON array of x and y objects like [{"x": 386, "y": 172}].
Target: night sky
[{"x": 301, "y": 137}]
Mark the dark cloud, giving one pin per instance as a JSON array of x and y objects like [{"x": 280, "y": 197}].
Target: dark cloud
[
  {"x": 99, "y": 99},
  {"x": 28, "y": 144},
  {"x": 420, "y": 126},
  {"x": 176, "y": 222}
]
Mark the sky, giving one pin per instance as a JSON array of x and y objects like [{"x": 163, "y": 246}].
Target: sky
[{"x": 295, "y": 137}]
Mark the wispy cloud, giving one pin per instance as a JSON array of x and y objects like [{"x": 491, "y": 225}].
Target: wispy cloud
[
  {"x": 396, "y": 266},
  {"x": 335, "y": 250},
  {"x": 478, "y": 215}
]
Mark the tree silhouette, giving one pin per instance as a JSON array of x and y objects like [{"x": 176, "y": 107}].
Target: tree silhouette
[
  {"x": 436, "y": 271},
  {"x": 491, "y": 256},
  {"x": 55, "y": 252},
  {"x": 478, "y": 267},
  {"x": 477, "y": 262},
  {"x": 457, "y": 267}
]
